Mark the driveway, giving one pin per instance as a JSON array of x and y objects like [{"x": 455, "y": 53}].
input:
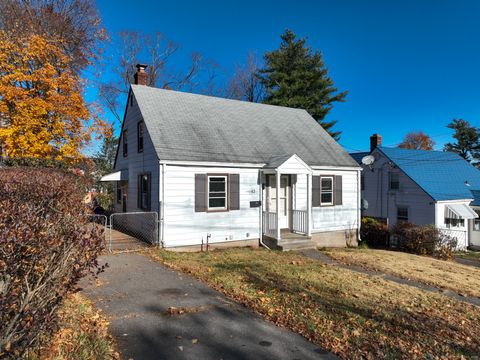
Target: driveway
[{"x": 156, "y": 313}]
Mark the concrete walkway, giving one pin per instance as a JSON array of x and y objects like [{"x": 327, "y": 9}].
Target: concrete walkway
[
  {"x": 138, "y": 294},
  {"x": 318, "y": 255}
]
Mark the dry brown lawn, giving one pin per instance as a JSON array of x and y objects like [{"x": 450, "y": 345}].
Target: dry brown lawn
[
  {"x": 462, "y": 279},
  {"x": 350, "y": 314}
]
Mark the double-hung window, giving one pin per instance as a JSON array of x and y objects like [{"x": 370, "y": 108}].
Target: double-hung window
[
  {"x": 394, "y": 181},
  {"x": 402, "y": 213},
  {"x": 326, "y": 190},
  {"x": 140, "y": 136},
  {"x": 476, "y": 224},
  {"x": 217, "y": 192}
]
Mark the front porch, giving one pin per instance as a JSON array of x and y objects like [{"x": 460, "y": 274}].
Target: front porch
[{"x": 286, "y": 206}]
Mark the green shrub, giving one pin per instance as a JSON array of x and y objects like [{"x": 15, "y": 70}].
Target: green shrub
[
  {"x": 423, "y": 240},
  {"x": 46, "y": 246},
  {"x": 374, "y": 233}
]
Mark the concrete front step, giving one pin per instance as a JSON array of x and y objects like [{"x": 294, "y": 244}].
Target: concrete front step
[
  {"x": 296, "y": 244},
  {"x": 290, "y": 241}
]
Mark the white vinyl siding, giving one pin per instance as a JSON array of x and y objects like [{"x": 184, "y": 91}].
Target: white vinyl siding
[
  {"x": 184, "y": 226},
  {"x": 336, "y": 217}
]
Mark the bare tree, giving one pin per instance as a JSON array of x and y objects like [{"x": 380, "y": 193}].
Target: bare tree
[
  {"x": 245, "y": 83},
  {"x": 156, "y": 51}
]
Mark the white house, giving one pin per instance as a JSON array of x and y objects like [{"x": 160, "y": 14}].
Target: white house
[
  {"x": 234, "y": 172},
  {"x": 422, "y": 187}
]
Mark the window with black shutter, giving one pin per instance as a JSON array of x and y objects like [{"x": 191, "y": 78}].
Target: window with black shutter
[{"x": 217, "y": 192}]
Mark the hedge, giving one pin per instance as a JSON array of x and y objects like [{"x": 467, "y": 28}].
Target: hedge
[{"x": 46, "y": 246}]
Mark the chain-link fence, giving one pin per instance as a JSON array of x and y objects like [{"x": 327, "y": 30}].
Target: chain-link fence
[{"x": 126, "y": 229}]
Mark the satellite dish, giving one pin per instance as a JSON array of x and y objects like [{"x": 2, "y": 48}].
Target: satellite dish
[{"x": 368, "y": 160}]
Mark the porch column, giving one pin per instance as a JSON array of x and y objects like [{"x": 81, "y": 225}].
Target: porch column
[
  {"x": 309, "y": 205},
  {"x": 277, "y": 202}
]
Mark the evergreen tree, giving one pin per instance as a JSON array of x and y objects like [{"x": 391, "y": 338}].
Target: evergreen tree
[
  {"x": 296, "y": 76},
  {"x": 467, "y": 143}
]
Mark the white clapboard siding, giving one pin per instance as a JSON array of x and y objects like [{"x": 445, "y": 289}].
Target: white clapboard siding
[
  {"x": 184, "y": 226},
  {"x": 300, "y": 193},
  {"x": 338, "y": 217},
  {"x": 383, "y": 203},
  {"x": 137, "y": 163}
]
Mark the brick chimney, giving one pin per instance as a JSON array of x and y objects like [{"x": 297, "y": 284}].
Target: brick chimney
[
  {"x": 375, "y": 141},
  {"x": 141, "y": 76}
]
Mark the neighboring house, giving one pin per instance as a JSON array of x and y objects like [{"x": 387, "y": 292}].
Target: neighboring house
[
  {"x": 422, "y": 187},
  {"x": 211, "y": 168}
]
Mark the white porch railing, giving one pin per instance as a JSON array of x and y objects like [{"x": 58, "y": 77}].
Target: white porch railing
[
  {"x": 300, "y": 221},
  {"x": 269, "y": 224}
]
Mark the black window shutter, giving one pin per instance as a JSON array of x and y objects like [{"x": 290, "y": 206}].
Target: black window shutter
[
  {"x": 338, "y": 190},
  {"x": 200, "y": 195},
  {"x": 234, "y": 192},
  {"x": 149, "y": 193},
  {"x": 139, "y": 191},
  {"x": 315, "y": 191}
]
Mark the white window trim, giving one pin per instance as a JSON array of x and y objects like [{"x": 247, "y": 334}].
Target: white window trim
[
  {"x": 330, "y": 203},
  {"x": 218, "y": 208}
]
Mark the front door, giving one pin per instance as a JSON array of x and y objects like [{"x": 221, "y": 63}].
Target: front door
[{"x": 284, "y": 199}]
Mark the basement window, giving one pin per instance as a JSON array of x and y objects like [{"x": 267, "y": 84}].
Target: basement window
[{"x": 217, "y": 193}]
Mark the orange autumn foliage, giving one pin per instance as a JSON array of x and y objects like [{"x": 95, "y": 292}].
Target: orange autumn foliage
[{"x": 42, "y": 111}]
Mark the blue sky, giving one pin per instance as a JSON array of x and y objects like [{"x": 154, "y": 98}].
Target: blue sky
[{"x": 408, "y": 65}]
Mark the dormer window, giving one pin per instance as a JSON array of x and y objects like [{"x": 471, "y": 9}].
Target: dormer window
[
  {"x": 125, "y": 143},
  {"x": 140, "y": 136}
]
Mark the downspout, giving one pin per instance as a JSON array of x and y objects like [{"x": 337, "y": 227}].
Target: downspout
[{"x": 260, "y": 227}]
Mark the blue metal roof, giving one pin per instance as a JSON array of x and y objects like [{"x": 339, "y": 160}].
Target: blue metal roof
[{"x": 442, "y": 175}]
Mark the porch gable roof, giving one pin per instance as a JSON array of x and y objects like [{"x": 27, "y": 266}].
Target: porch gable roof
[{"x": 287, "y": 164}]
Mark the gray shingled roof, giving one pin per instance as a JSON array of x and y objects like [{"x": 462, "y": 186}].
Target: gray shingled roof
[{"x": 186, "y": 126}]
